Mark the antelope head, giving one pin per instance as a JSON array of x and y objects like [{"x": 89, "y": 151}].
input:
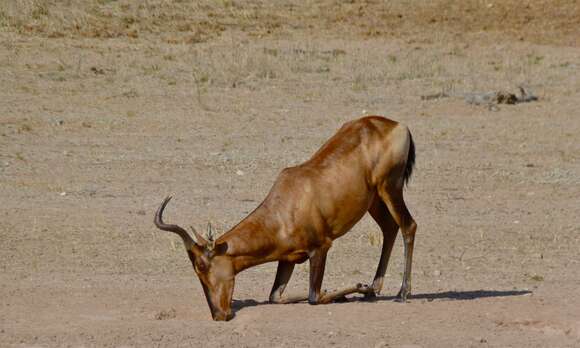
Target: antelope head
[{"x": 213, "y": 268}]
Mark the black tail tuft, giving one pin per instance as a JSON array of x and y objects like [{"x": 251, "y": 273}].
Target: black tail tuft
[{"x": 410, "y": 161}]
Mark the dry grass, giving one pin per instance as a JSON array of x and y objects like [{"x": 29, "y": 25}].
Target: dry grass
[
  {"x": 302, "y": 66},
  {"x": 177, "y": 21},
  {"x": 438, "y": 67},
  {"x": 208, "y": 46}
]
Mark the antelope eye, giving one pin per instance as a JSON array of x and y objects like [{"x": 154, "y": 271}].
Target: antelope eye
[{"x": 200, "y": 267}]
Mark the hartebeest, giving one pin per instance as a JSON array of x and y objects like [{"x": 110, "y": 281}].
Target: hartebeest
[{"x": 363, "y": 167}]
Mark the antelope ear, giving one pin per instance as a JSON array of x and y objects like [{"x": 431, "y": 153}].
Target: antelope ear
[
  {"x": 198, "y": 257},
  {"x": 196, "y": 251},
  {"x": 220, "y": 248}
]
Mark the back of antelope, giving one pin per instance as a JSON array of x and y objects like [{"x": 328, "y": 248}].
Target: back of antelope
[{"x": 362, "y": 168}]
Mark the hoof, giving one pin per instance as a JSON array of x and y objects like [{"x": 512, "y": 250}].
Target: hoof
[
  {"x": 404, "y": 293},
  {"x": 367, "y": 291},
  {"x": 402, "y": 297},
  {"x": 341, "y": 299},
  {"x": 400, "y": 300},
  {"x": 370, "y": 296}
]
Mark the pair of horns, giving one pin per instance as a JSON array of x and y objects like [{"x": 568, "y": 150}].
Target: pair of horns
[{"x": 209, "y": 241}]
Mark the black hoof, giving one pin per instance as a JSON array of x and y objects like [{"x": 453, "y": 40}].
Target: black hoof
[
  {"x": 341, "y": 299},
  {"x": 402, "y": 298},
  {"x": 370, "y": 296}
]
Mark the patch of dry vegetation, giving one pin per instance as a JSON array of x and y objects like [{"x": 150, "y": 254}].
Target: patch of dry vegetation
[
  {"x": 178, "y": 21},
  {"x": 435, "y": 68}
]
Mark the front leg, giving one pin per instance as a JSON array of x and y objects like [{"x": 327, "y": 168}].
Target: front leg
[
  {"x": 317, "y": 265},
  {"x": 315, "y": 296},
  {"x": 283, "y": 274},
  {"x": 340, "y": 294}
]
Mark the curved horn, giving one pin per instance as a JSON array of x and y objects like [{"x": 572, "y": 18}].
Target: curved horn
[{"x": 187, "y": 240}]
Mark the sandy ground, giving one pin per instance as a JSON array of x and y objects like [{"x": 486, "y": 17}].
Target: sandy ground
[{"x": 96, "y": 129}]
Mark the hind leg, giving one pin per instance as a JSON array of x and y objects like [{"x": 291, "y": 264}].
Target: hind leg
[
  {"x": 392, "y": 196},
  {"x": 380, "y": 213}
]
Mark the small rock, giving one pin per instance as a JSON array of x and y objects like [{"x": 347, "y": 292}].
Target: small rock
[
  {"x": 381, "y": 344},
  {"x": 435, "y": 96},
  {"x": 239, "y": 172},
  {"x": 98, "y": 71},
  {"x": 63, "y": 193},
  {"x": 166, "y": 314},
  {"x": 436, "y": 273}
]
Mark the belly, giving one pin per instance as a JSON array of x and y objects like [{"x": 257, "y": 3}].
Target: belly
[{"x": 345, "y": 211}]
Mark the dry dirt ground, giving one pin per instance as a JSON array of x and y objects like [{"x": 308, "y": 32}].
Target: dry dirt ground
[{"x": 108, "y": 106}]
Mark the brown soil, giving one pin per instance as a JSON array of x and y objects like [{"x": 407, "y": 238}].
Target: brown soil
[{"x": 107, "y": 106}]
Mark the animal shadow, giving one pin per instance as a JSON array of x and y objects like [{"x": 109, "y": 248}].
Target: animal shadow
[{"x": 468, "y": 295}]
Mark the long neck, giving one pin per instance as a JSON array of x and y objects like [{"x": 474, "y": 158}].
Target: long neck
[{"x": 252, "y": 242}]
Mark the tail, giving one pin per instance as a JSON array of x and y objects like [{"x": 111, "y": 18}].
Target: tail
[{"x": 410, "y": 161}]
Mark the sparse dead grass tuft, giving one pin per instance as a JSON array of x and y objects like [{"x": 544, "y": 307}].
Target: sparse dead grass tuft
[{"x": 200, "y": 21}]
